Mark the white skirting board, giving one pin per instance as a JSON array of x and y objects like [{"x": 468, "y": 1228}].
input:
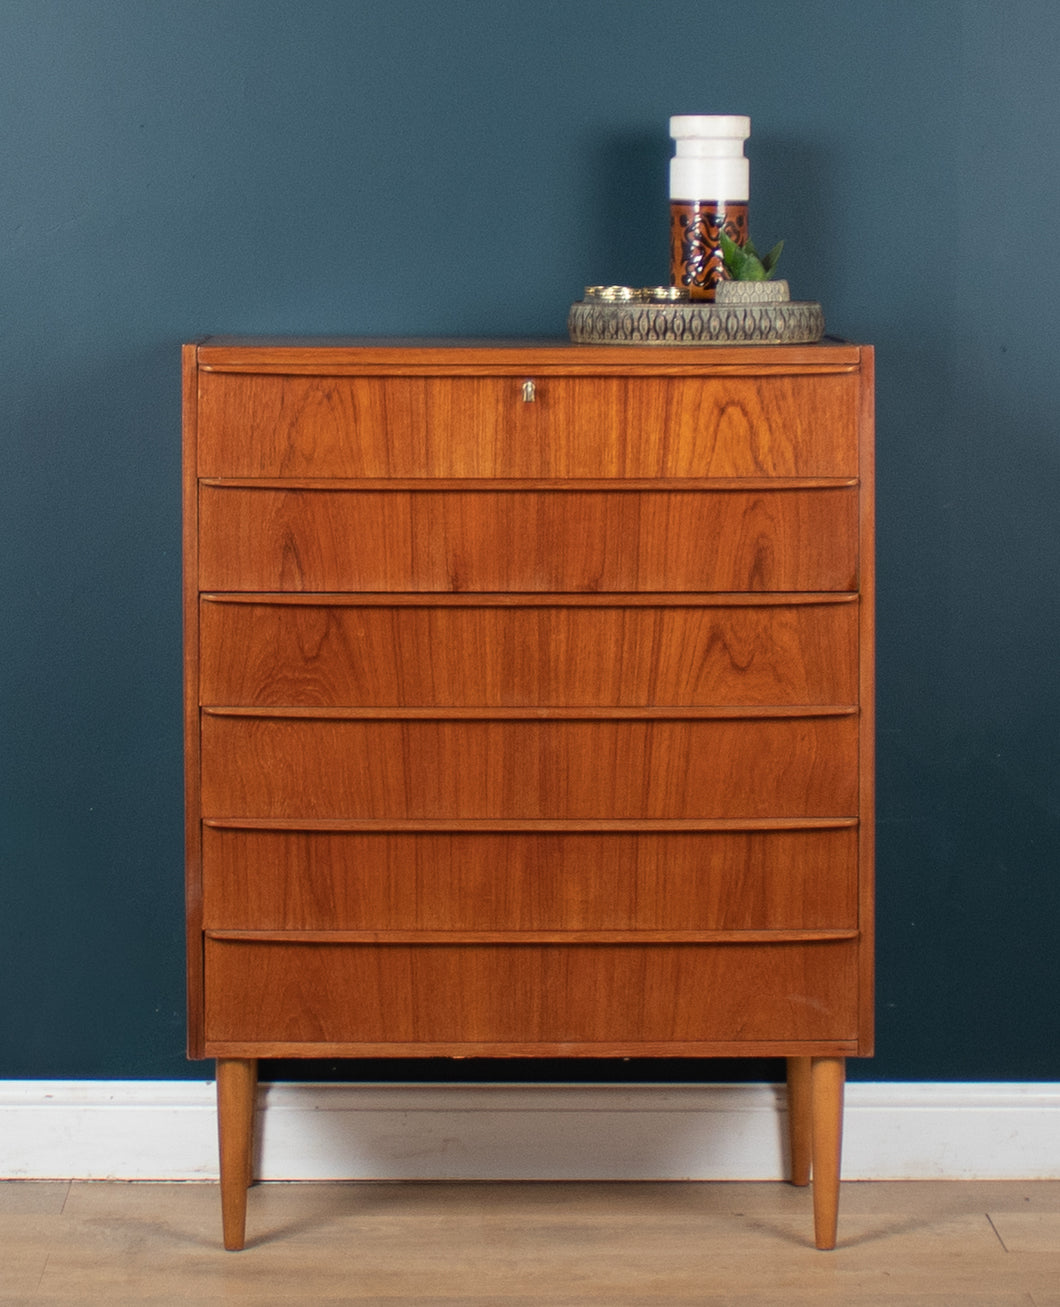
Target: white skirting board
[{"x": 151, "y": 1130}]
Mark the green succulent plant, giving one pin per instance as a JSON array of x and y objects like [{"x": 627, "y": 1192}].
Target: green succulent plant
[{"x": 744, "y": 263}]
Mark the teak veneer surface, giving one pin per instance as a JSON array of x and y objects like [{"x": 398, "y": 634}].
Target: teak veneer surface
[
  {"x": 336, "y": 652},
  {"x": 262, "y": 538},
  {"x": 459, "y": 880},
  {"x": 475, "y": 426},
  {"x": 526, "y": 993},
  {"x": 529, "y": 710},
  {"x": 275, "y": 766}
]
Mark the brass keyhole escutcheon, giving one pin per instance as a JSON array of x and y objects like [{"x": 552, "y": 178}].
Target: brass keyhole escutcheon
[{"x": 529, "y": 392}]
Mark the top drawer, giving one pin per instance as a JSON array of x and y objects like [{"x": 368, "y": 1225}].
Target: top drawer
[{"x": 266, "y": 425}]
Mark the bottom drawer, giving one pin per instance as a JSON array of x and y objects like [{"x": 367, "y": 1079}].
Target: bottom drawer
[{"x": 519, "y": 995}]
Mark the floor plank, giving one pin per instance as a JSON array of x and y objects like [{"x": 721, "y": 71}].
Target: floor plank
[
  {"x": 1028, "y": 1232},
  {"x": 627, "y": 1245},
  {"x": 32, "y": 1196}
]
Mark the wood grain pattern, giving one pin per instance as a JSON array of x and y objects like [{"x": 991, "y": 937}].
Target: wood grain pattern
[
  {"x": 530, "y": 729},
  {"x": 466, "y": 426},
  {"x": 828, "y": 1075},
  {"x": 592, "y": 880},
  {"x": 256, "y": 538},
  {"x": 800, "y": 1119},
  {"x": 424, "y": 356},
  {"x": 236, "y": 1084},
  {"x": 336, "y": 652},
  {"x": 436, "y": 1243},
  {"x": 190, "y": 678},
  {"x": 527, "y": 993},
  {"x": 867, "y": 704},
  {"x": 333, "y": 767}
]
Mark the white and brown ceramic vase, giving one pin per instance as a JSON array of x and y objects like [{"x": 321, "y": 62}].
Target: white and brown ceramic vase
[{"x": 709, "y": 185}]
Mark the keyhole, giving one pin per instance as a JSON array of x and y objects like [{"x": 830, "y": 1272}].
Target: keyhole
[{"x": 529, "y": 392}]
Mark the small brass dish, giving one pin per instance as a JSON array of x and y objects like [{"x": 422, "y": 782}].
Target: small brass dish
[
  {"x": 665, "y": 294},
  {"x": 611, "y": 294}
]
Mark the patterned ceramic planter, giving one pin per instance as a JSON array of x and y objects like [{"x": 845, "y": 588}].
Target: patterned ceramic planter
[{"x": 751, "y": 292}]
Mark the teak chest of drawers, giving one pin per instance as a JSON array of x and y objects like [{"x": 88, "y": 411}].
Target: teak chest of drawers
[{"x": 529, "y": 711}]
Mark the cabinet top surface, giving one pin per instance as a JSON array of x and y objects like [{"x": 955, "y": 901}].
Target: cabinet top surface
[{"x": 304, "y": 354}]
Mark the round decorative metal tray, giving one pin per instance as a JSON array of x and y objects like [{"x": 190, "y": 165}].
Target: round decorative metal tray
[{"x": 789, "y": 322}]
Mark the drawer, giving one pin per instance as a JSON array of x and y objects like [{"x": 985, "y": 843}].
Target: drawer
[
  {"x": 346, "y": 767},
  {"x": 455, "y": 880},
  {"x": 459, "y": 426},
  {"x": 344, "y": 652},
  {"x": 255, "y": 538},
  {"x": 526, "y": 994}
]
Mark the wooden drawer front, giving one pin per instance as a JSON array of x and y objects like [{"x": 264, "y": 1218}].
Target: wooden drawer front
[
  {"x": 253, "y": 539},
  {"x": 295, "y": 767},
  {"x": 337, "y": 653},
  {"x": 528, "y": 994},
  {"x": 529, "y": 880},
  {"x": 252, "y": 426}
]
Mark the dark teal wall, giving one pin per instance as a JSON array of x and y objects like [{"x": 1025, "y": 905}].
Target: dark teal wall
[{"x": 405, "y": 166}]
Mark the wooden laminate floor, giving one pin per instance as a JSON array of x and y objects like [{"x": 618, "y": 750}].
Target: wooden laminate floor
[{"x": 930, "y": 1244}]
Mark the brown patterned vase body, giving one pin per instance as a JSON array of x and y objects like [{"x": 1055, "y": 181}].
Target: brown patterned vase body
[{"x": 695, "y": 245}]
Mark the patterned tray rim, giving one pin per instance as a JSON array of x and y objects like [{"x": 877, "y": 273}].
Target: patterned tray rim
[{"x": 594, "y": 322}]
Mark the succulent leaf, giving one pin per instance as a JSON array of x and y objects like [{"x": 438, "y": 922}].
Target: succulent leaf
[
  {"x": 745, "y": 263},
  {"x": 772, "y": 258},
  {"x": 733, "y": 256}
]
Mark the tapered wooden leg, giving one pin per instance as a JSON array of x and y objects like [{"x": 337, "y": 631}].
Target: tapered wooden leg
[
  {"x": 828, "y": 1075},
  {"x": 251, "y": 1103},
  {"x": 237, "y": 1080},
  {"x": 800, "y": 1118}
]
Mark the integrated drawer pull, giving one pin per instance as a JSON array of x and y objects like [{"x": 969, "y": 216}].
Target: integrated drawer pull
[{"x": 529, "y": 392}]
